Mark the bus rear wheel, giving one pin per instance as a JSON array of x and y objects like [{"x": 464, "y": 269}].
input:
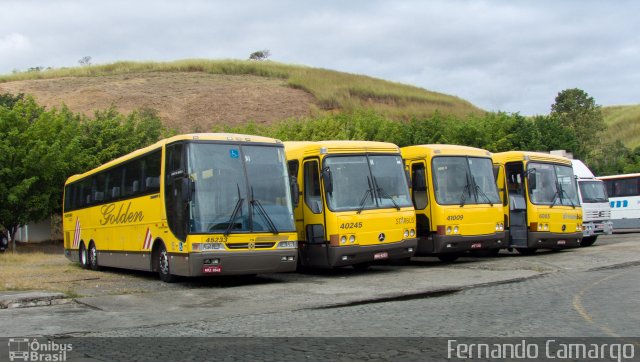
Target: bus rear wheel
[
  {"x": 164, "y": 270},
  {"x": 83, "y": 257},
  {"x": 93, "y": 257}
]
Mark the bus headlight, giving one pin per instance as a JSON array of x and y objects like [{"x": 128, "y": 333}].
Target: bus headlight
[
  {"x": 578, "y": 227},
  {"x": 207, "y": 246},
  {"x": 455, "y": 230},
  {"x": 287, "y": 244},
  {"x": 545, "y": 227},
  {"x": 352, "y": 239},
  {"x": 501, "y": 227},
  {"x": 406, "y": 234},
  {"x": 412, "y": 233},
  {"x": 343, "y": 239},
  {"x": 448, "y": 229}
]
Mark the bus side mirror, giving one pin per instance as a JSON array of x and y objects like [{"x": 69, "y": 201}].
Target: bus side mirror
[
  {"x": 295, "y": 191},
  {"x": 187, "y": 188},
  {"x": 419, "y": 182},
  {"x": 532, "y": 181},
  {"x": 327, "y": 179}
]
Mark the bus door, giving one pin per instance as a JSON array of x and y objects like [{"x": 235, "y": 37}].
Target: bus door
[
  {"x": 420, "y": 197},
  {"x": 517, "y": 204},
  {"x": 314, "y": 250}
]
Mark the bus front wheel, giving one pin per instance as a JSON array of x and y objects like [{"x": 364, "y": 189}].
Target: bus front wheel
[
  {"x": 588, "y": 241},
  {"x": 164, "y": 270},
  {"x": 448, "y": 258},
  {"x": 526, "y": 251}
]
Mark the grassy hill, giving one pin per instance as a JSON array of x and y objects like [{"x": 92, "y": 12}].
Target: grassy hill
[
  {"x": 199, "y": 94},
  {"x": 623, "y": 124}
]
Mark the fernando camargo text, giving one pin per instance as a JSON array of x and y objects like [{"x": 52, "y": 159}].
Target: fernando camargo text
[{"x": 541, "y": 349}]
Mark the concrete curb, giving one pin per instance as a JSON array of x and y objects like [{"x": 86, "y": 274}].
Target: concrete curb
[{"x": 33, "y": 298}]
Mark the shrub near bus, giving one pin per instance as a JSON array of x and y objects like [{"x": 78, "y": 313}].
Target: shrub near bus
[
  {"x": 355, "y": 207},
  {"x": 190, "y": 205},
  {"x": 540, "y": 200},
  {"x": 457, "y": 204}
]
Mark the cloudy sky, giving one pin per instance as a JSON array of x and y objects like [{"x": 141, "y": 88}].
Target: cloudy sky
[{"x": 512, "y": 56}]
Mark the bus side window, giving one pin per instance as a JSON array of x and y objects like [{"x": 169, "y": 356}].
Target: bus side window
[
  {"x": 312, "y": 194},
  {"x": 419, "y": 185}
]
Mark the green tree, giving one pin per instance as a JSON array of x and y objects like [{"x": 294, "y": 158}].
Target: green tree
[
  {"x": 577, "y": 111},
  {"x": 37, "y": 152}
]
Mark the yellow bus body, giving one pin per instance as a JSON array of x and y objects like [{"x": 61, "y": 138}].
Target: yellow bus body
[
  {"x": 449, "y": 229},
  {"x": 555, "y": 225},
  {"x": 334, "y": 238},
  {"x": 127, "y": 232}
]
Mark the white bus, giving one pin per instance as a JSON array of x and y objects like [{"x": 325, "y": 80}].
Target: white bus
[{"x": 624, "y": 199}]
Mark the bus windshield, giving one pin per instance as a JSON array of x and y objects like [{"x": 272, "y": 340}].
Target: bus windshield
[
  {"x": 593, "y": 192},
  {"x": 551, "y": 184},
  {"x": 367, "y": 182},
  {"x": 238, "y": 189},
  {"x": 464, "y": 180}
]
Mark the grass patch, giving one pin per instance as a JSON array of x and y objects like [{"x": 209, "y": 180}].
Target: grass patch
[
  {"x": 623, "y": 123},
  {"x": 332, "y": 90},
  {"x": 54, "y": 272}
]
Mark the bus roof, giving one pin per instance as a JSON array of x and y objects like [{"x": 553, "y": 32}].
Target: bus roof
[
  {"x": 312, "y": 148},
  {"x": 226, "y": 137},
  {"x": 424, "y": 151},
  {"x": 614, "y": 177},
  {"x": 509, "y": 156}
]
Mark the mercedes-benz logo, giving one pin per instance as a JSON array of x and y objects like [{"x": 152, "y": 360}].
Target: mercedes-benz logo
[
  {"x": 564, "y": 227},
  {"x": 381, "y": 237}
]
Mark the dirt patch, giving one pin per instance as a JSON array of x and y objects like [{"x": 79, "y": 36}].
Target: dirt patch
[{"x": 186, "y": 101}]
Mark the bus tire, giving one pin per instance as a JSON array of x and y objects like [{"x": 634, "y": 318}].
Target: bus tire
[
  {"x": 83, "y": 257},
  {"x": 588, "y": 241},
  {"x": 448, "y": 258},
  {"x": 164, "y": 269},
  {"x": 526, "y": 251},
  {"x": 93, "y": 257},
  {"x": 361, "y": 266}
]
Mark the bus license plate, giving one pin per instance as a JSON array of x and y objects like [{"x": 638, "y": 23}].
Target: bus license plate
[
  {"x": 562, "y": 242},
  {"x": 382, "y": 255},
  {"x": 476, "y": 246},
  {"x": 212, "y": 269}
]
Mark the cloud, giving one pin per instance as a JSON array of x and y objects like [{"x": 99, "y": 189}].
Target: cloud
[{"x": 499, "y": 55}]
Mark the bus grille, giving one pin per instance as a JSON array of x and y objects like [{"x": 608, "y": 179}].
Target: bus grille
[
  {"x": 598, "y": 215},
  {"x": 246, "y": 246}
]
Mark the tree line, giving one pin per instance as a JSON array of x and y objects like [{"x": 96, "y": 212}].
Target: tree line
[{"x": 40, "y": 148}]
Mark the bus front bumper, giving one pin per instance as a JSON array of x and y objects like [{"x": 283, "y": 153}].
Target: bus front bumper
[
  {"x": 445, "y": 244},
  {"x": 547, "y": 240},
  {"x": 594, "y": 228},
  {"x": 358, "y": 254},
  {"x": 234, "y": 263}
]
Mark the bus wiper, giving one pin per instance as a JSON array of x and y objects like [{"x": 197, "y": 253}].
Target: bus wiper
[
  {"x": 562, "y": 191},
  {"x": 264, "y": 214},
  {"x": 384, "y": 194},
  {"x": 480, "y": 192},
  {"x": 234, "y": 214},
  {"x": 364, "y": 198},
  {"x": 556, "y": 196},
  {"x": 465, "y": 191}
]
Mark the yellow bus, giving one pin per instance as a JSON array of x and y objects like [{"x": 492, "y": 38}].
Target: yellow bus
[
  {"x": 355, "y": 206},
  {"x": 189, "y": 205},
  {"x": 456, "y": 200},
  {"x": 540, "y": 200}
]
